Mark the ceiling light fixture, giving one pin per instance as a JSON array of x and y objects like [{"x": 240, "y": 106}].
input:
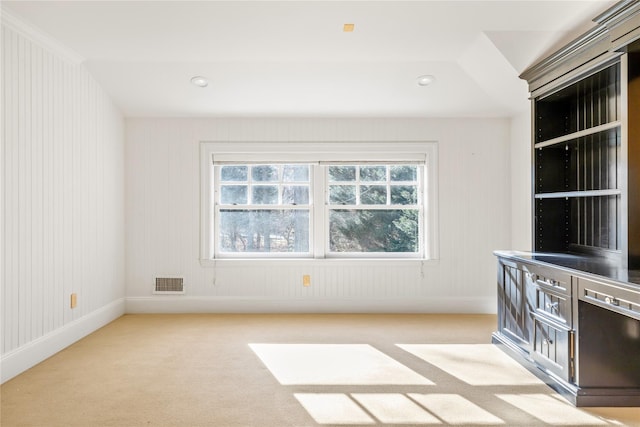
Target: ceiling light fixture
[
  {"x": 426, "y": 80},
  {"x": 199, "y": 81},
  {"x": 348, "y": 28}
]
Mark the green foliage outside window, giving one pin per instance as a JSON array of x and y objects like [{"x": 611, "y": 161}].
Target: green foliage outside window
[
  {"x": 374, "y": 230},
  {"x": 361, "y": 230}
]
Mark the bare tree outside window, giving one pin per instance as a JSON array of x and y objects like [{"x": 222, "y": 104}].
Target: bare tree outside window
[{"x": 256, "y": 212}]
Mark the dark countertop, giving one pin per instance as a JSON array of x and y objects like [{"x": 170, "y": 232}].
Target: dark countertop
[{"x": 596, "y": 266}]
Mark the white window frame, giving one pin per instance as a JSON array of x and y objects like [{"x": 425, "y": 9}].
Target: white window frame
[
  {"x": 218, "y": 254},
  {"x": 357, "y": 206},
  {"x": 317, "y": 153}
]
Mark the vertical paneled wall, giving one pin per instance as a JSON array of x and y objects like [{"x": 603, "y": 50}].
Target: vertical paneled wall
[
  {"x": 521, "y": 176},
  {"x": 163, "y": 221},
  {"x": 62, "y": 190}
]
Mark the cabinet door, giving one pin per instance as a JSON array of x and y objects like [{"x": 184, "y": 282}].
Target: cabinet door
[
  {"x": 514, "y": 304},
  {"x": 552, "y": 345},
  {"x": 552, "y": 295}
]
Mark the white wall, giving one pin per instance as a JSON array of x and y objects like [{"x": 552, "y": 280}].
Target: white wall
[
  {"x": 521, "y": 178},
  {"x": 63, "y": 201},
  {"x": 163, "y": 232}
]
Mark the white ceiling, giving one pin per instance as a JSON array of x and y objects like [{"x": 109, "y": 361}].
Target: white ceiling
[{"x": 292, "y": 59}]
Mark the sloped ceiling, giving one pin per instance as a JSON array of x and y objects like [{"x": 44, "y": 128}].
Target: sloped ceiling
[{"x": 292, "y": 58}]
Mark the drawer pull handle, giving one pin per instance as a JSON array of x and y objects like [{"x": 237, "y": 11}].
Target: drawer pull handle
[
  {"x": 552, "y": 306},
  {"x": 549, "y": 282}
]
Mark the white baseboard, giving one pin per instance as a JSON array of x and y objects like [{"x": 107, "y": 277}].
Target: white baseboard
[
  {"x": 29, "y": 355},
  {"x": 34, "y": 352},
  {"x": 185, "y": 304}
]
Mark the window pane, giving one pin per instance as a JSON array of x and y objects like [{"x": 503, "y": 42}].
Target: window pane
[
  {"x": 297, "y": 173},
  {"x": 404, "y": 194},
  {"x": 373, "y": 230},
  {"x": 265, "y": 195},
  {"x": 342, "y": 195},
  {"x": 264, "y": 173},
  {"x": 264, "y": 231},
  {"x": 342, "y": 173},
  {"x": 373, "y": 173},
  {"x": 266, "y": 208},
  {"x": 233, "y": 173},
  {"x": 373, "y": 194},
  {"x": 404, "y": 173},
  {"x": 233, "y": 194},
  {"x": 295, "y": 195}
]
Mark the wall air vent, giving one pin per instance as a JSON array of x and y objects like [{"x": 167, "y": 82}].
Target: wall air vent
[{"x": 169, "y": 285}]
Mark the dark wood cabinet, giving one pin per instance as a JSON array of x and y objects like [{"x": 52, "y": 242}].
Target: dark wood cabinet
[
  {"x": 514, "y": 314},
  {"x": 535, "y": 313},
  {"x": 570, "y": 308},
  {"x": 552, "y": 348},
  {"x": 573, "y": 320}
]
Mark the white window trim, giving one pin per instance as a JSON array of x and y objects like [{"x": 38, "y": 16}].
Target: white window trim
[
  {"x": 315, "y": 152},
  {"x": 382, "y": 255},
  {"x": 215, "y": 253}
]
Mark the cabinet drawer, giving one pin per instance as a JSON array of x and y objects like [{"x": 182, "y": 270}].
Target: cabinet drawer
[
  {"x": 552, "y": 348},
  {"x": 612, "y": 297},
  {"x": 555, "y": 305},
  {"x": 549, "y": 278}
]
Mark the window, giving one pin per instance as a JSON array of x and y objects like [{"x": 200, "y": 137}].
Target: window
[
  {"x": 374, "y": 208},
  {"x": 262, "y": 208},
  {"x": 289, "y": 200}
]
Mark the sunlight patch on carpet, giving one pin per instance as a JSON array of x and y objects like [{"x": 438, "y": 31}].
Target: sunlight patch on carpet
[
  {"x": 455, "y": 409},
  {"x": 551, "y": 409},
  {"x": 333, "y": 408},
  {"x": 394, "y": 408},
  {"x": 334, "y": 364},
  {"x": 475, "y": 364}
]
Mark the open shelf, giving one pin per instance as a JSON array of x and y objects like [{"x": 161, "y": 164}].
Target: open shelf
[
  {"x": 581, "y": 224},
  {"x": 587, "y": 163},
  {"x": 577, "y": 167},
  {"x": 568, "y": 194},
  {"x": 589, "y": 103},
  {"x": 579, "y": 134}
]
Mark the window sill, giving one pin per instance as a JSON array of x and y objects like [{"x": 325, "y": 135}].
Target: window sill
[{"x": 242, "y": 262}]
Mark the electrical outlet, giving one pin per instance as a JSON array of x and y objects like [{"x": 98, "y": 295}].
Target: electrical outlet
[
  {"x": 306, "y": 280},
  {"x": 74, "y": 300}
]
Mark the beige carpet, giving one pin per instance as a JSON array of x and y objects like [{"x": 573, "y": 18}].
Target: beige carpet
[{"x": 290, "y": 370}]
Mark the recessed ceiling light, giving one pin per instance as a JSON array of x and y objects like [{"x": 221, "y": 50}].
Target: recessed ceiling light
[
  {"x": 199, "y": 81},
  {"x": 348, "y": 28},
  {"x": 426, "y": 80}
]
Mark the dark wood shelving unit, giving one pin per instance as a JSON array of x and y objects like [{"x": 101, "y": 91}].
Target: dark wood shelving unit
[
  {"x": 565, "y": 309},
  {"x": 591, "y": 102},
  {"x": 577, "y": 164},
  {"x": 633, "y": 156}
]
